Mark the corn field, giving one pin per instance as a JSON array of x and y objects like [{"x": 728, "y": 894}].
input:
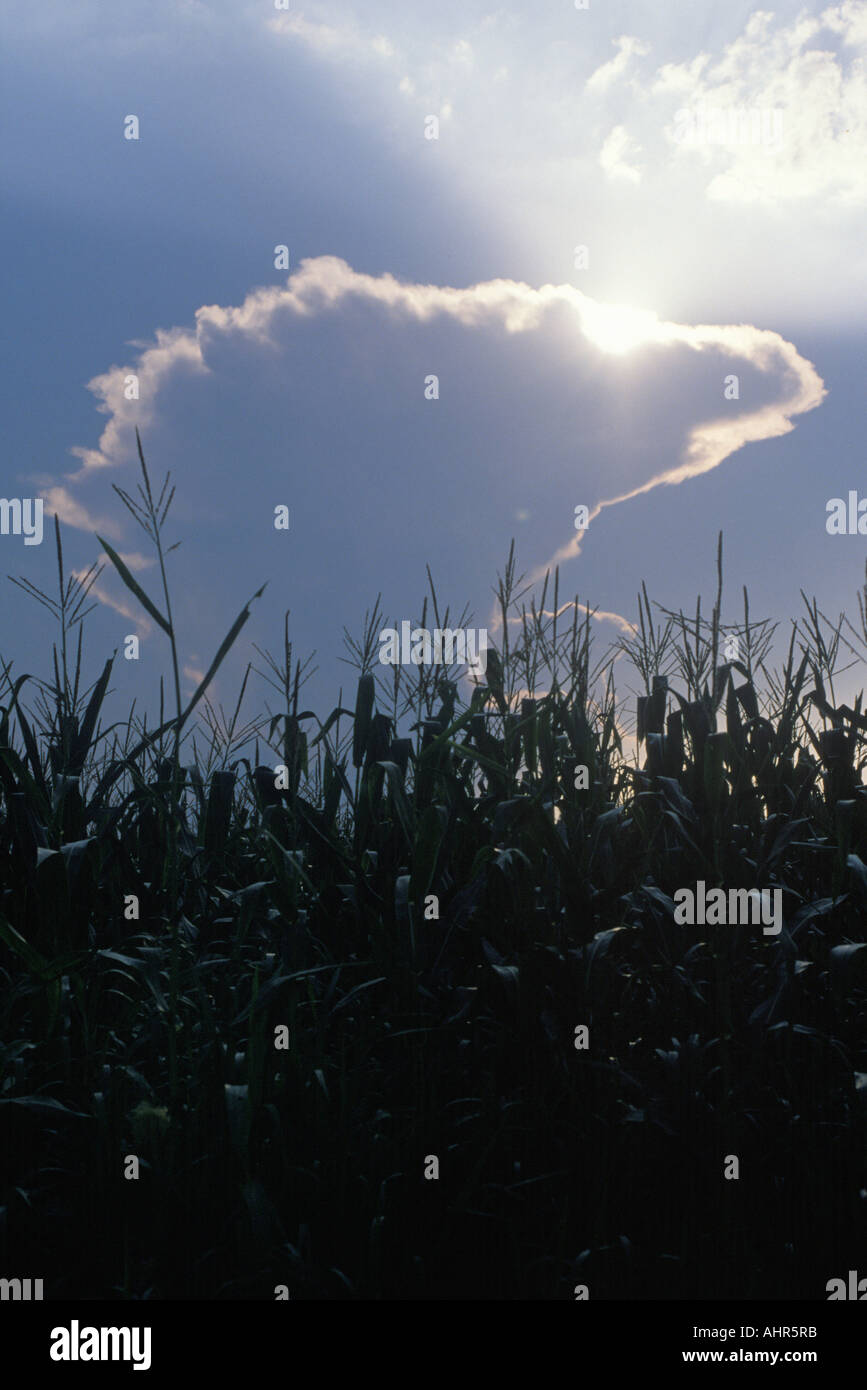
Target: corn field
[{"x": 287, "y": 992}]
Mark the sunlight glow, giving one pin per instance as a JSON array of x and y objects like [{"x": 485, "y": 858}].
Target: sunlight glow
[{"x": 617, "y": 328}]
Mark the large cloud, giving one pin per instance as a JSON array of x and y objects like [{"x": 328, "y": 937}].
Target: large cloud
[{"x": 313, "y": 390}]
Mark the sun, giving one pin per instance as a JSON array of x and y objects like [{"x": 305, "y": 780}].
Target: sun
[{"x": 618, "y": 328}]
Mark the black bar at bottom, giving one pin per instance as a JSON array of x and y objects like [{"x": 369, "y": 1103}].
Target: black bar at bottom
[{"x": 244, "y": 1338}]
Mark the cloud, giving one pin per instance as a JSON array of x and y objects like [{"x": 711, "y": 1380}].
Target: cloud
[
  {"x": 173, "y": 351},
  {"x": 810, "y": 69},
  {"x": 195, "y": 674},
  {"x": 613, "y": 157},
  {"x": 627, "y": 48},
  {"x": 804, "y": 88},
  {"x": 133, "y": 561},
  {"x": 73, "y": 513},
  {"x": 322, "y": 283},
  {"x": 332, "y": 40},
  {"x": 272, "y": 334},
  {"x": 709, "y": 444},
  {"x": 97, "y": 591},
  {"x": 530, "y": 162},
  {"x": 600, "y": 615}
]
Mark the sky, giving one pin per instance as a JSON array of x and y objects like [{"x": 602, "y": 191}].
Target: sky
[{"x": 586, "y": 223}]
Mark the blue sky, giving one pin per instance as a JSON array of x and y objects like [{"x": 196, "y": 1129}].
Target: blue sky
[{"x": 305, "y": 127}]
